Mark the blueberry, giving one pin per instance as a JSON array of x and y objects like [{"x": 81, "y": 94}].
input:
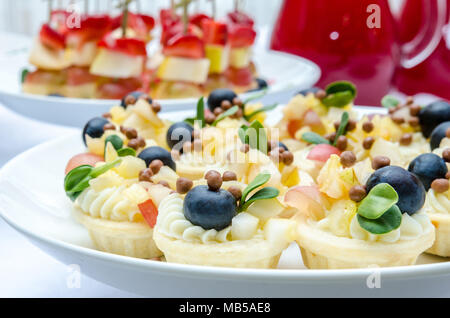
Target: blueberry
[
  {"x": 155, "y": 152},
  {"x": 262, "y": 84},
  {"x": 217, "y": 96},
  {"x": 433, "y": 115},
  {"x": 438, "y": 134},
  {"x": 136, "y": 95},
  {"x": 178, "y": 134},
  {"x": 94, "y": 128},
  {"x": 281, "y": 145},
  {"x": 308, "y": 90},
  {"x": 428, "y": 167},
  {"x": 410, "y": 190},
  {"x": 209, "y": 209}
]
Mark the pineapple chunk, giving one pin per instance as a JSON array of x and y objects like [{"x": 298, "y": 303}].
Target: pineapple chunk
[
  {"x": 280, "y": 232},
  {"x": 340, "y": 217},
  {"x": 184, "y": 69},
  {"x": 143, "y": 109},
  {"x": 244, "y": 226},
  {"x": 110, "y": 153},
  {"x": 218, "y": 56},
  {"x": 118, "y": 114},
  {"x": 109, "y": 179},
  {"x": 266, "y": 209},
  {"x": 329, "y": 181},
  {"x": 250, "y": 108},
  {"x": 157, "y": 192},
  {"x": 166, "y": 174},
  {"x": 130, "y": 167},
  {"x": 117, "y": 65},
  {"x": 136, "y": 193},
  {"x": 95, "y": 145},
  {"x": 391, "y": 150},
  {"x": 240, "y": 57}
]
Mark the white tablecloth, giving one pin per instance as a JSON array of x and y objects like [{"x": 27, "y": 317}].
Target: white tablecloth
[{"x": 26, "y": 271}]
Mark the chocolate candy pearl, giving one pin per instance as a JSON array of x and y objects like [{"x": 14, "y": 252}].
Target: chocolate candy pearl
[
  {"x": 368, "y": 143},
  {"x": 409, "y": 100},
  {"x": 398, "y": 119},
  {"x": 107, "y": 115},
  {"x": 214, "y": 180},
  {"x": 406, "y": 139},
  {"x": 336, "y": 125},
  {"x": 446, "y": 155},
  {"x": 218, "y": 111},
  {"x": 368, "y": 126},
  {"x": 210, "y": 118},
  {"x": 287, "y": 157},
  {"x": 156, "y": 107},
  {"x": 236, "y": 192},
  {"x": 131, "y": 133},
  {"x": 130, "y": 100},
  {"x": 184, "y": 185},
  {"x": 245, "y": 148},
  {"x": 146, "y": 175},
  {"x": 141, "y": 142},
  {"x": 440, "y": 185},
  {"x": 229, "y": 176},
  {"x": 156, "y": 165},
  {"x": 330, "y": 137},
  {"x": 164, "y": 183},
  {"x": 342, "y": 143},
  {"x": 237, "y": 101},
  {"x": 357, "y": 193},
  {"x": 351, "y": 125},
  {"x": 271, "y": 145},
  {"x": 109, "y": 126},
  {"x": 447, "y": 133},
  {"x": 348, "y": 159},
  {"x": 414, "y": 110},
  {"x": 380, "y": 161},
  {"x": 320, "y": 94},
  {"x": 447, "y": 176},
  {"x": 134, "y": 143},
  {"x": 414, "y": 121},
  {"x": 226, "y": 105}
]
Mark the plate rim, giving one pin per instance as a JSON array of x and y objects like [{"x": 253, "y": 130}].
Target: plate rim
[{"x": 279, "y": 275}]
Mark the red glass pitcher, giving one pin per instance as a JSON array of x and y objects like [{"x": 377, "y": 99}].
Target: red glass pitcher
[
  {"x": 430, "y": 71},
  {"x": 349, "y": 40}
]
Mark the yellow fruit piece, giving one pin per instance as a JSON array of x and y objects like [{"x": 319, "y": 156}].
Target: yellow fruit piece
[
  {"x": 143, "y": 109},
  {"x": 240, "y": 57},
  {"x": 95, "y": 145},
  {"x": 130, "y": 167},
  {"x": 329, "y": 178},
  {"x": 348, "y": 176},
  {"x": 109, "y": 179},
  {"x": 118, "y": 114},
  {"x": 250, "y": 108},
  {"x": 110, "y": 153},
  {"x": 266, "y": 209},
  {"x": 184, "y": 69},
  {"x": 166, "y": 174},
  {"x": 340, "y": 217},
  {"x": 136, "y": 194},
  {"x": 289, "y": 175},
  {"x": 218, "y": 56}
]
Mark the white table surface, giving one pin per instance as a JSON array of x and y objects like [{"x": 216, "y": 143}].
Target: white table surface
[{"x": 25, "y": 270}]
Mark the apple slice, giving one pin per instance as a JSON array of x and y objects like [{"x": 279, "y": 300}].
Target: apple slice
[
  {"x": 307, "y": 200},
  {"x": 323, "y": 152},
  {"x": 188, "y": 46}
]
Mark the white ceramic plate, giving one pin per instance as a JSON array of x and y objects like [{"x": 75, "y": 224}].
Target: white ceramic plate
[
  {"x": 32, "y": 200},
  {"x": 287, "y": 73}
]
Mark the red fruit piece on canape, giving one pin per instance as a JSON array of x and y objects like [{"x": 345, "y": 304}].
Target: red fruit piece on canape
[
  {"x": 91, "y": 28},
  {"x": 214, "y": 32},
  {"x": 238, "y": 17},
  {"x": 149, "y": 211},
  {"x": 168, "y": 18},
  {"x": 82, "y": 159},
  {"x": 58, "y": 19},
  {"x": 239, "y": 76},
  {"x": 189, "y": 46},
  {"x": 129, "y": 46},
  {"x": 241, "y": 36},
  {"x": 52, "y": 38},
  {"x": 322, "y": 152},
  {"x": 198, "y": 19},
  {"x": 119, "y": 87}
]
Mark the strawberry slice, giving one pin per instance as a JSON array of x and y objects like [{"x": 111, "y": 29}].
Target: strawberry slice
[
  {"x": 239, "y": 76},
  {"x": 141, "y": 23},
  {"x": 129, "y": 46},
  {"x": 149, "y": 211},
  {"x": 168, "y": 18},
  {"x": 198, "y": 19},
  {"x": 188, "y": 45},
  {"x": 241, "y": 35},
  {"x": 51, "y": 38},
  {"x": 215, "y": 32},
  {"x": 237, "y": 17},
  {"x": 58, "y": 18},
  {"x": 91, "y": 28}
]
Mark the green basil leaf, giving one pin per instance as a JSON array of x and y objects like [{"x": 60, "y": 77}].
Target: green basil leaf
[
  {"x": 261, "y": 110},
  {"x": 259, "y": 180},
  {"x": 389, "y": 101},
  {"x": 76, "y": 177},
  {"x": 257, "y": 130},
  {"x": 313, "y": 138},
  {"x": 342, "y": 127},
  {"x": 126, "y": 152},
  {"x": 339, "y": 94},
  {"x": 115, "y": 140},
  {"x": 104, "y": 168},
  {"x": 389, "y": 221},
  {"x": 256, "y": 96},
  {"x": 379, "y": 200},
  {"x": 233, "y": 110},
  {"x": 263, "y": 194},
  {"x": 201, "y": 111},
  {"x": 23, "y": 75},
  {"x": 242, "y": 132}
]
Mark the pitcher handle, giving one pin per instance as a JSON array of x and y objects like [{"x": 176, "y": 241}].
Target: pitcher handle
[{"x": 410, "y": 58}]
